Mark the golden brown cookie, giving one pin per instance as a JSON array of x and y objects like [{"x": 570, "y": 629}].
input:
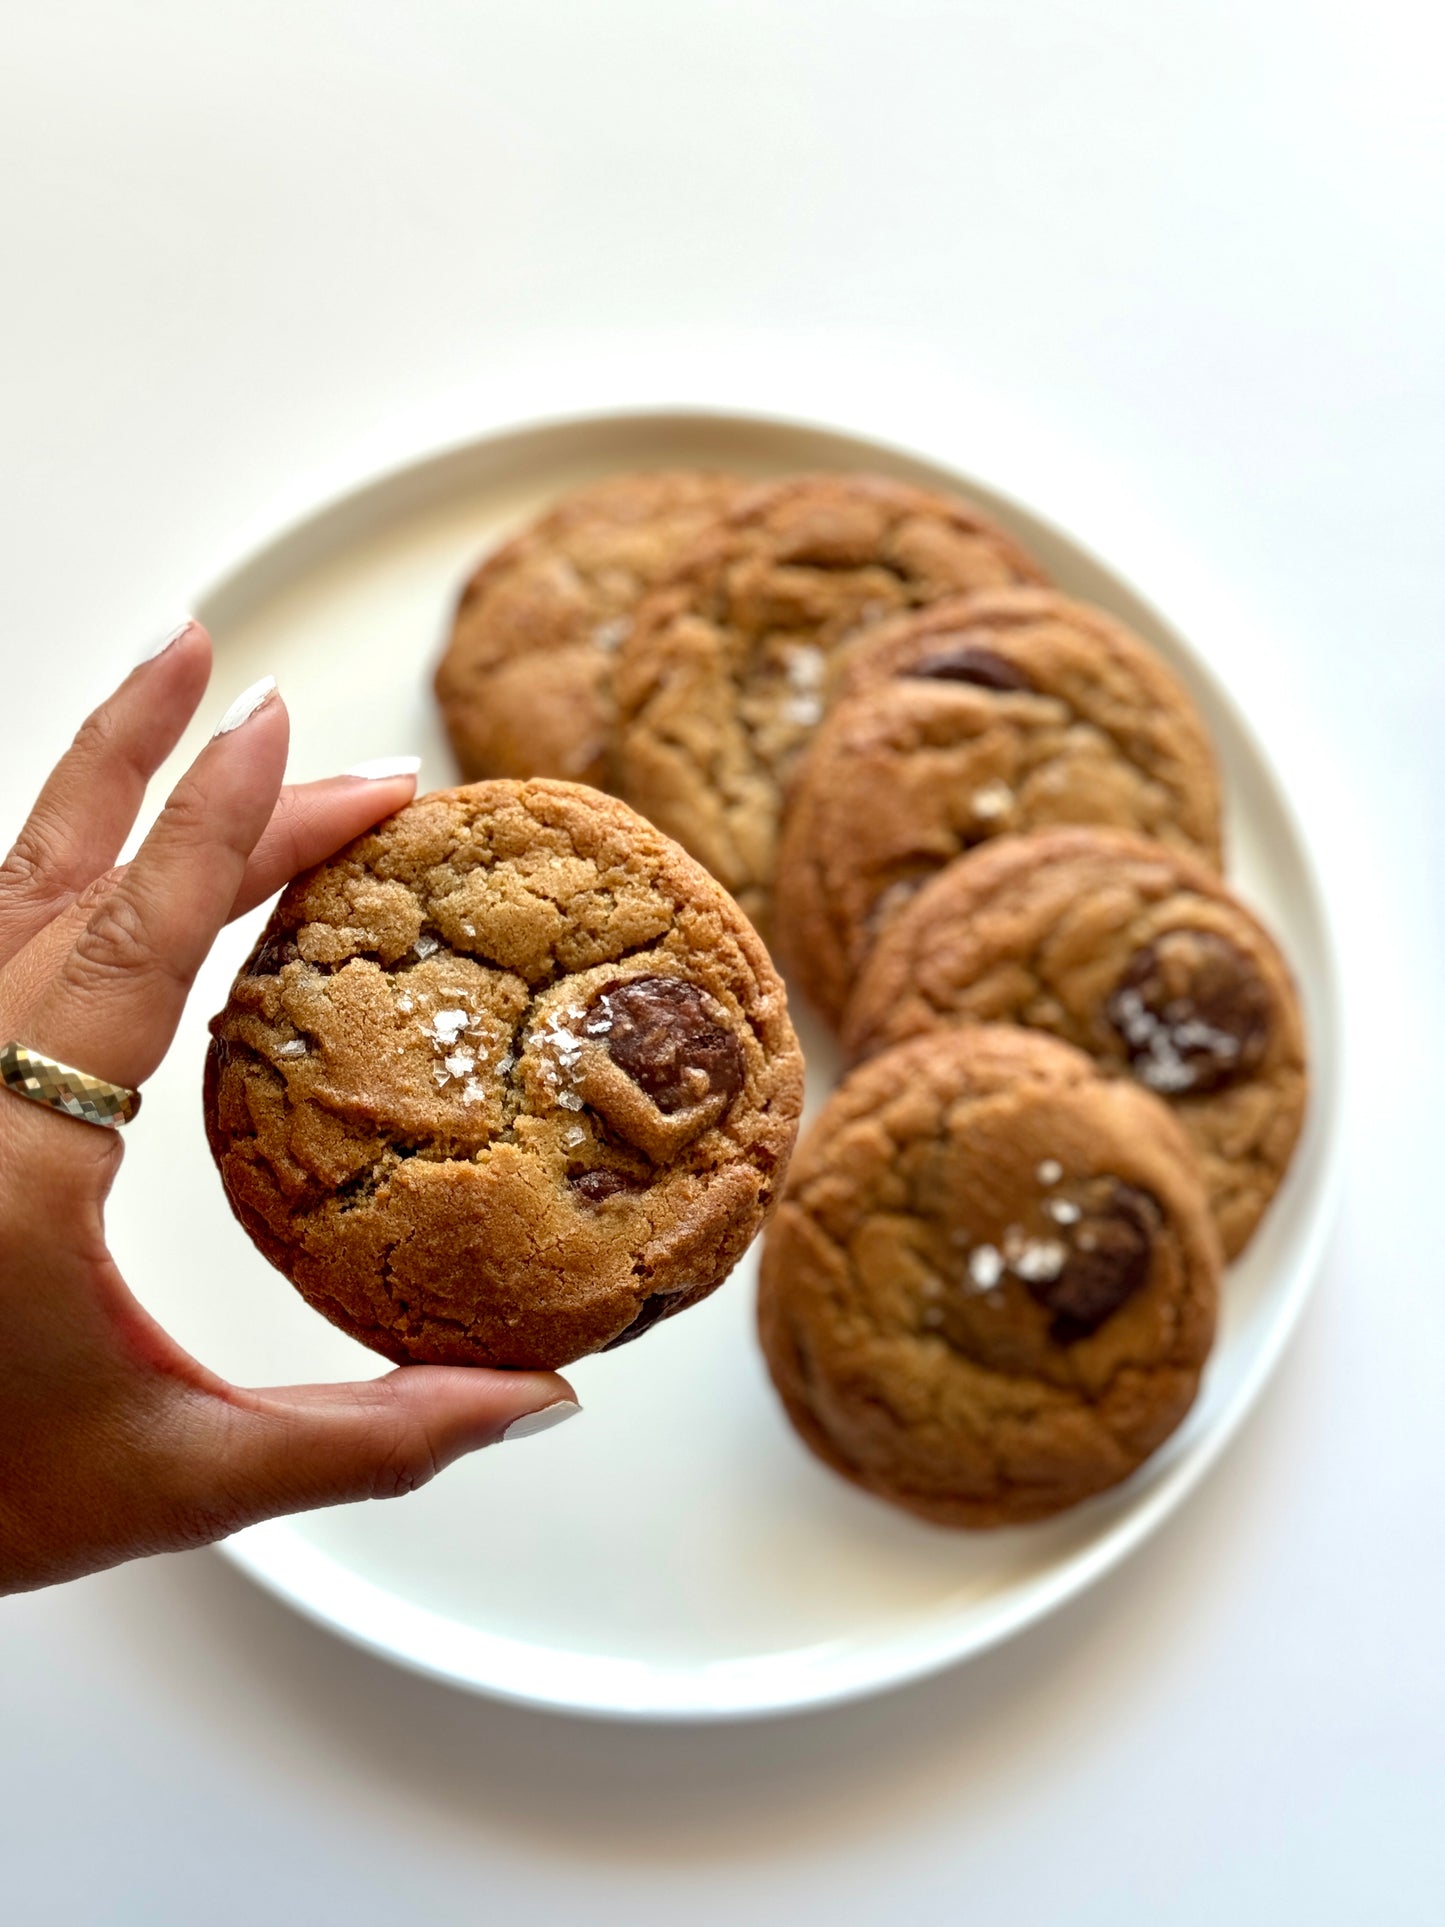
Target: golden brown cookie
[
  {"x": 725, "y": 672},
  {"x": 971, "y": 720},
  {"x": 1135, "y": 953},
  {"x": 505, "y": 1081},
  {"x": 991, "y": 1286},
  {"x": 525, "y": 686}
]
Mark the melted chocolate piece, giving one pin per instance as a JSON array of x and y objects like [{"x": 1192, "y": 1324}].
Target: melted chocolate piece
[
  {"x": 276, "y": 951},
  {"x": 1108, "y": 1260},
  {"x": 663, "y": 1033},
  {"x": 966, "y": 662},
  {"x": 1193, "y": 1012},
  {"x": 601, "y": 1184},
  {"x": 649, "y": 1313}
]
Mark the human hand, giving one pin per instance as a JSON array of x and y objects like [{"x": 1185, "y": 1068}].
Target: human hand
[{"x": 114, "y": 1443}]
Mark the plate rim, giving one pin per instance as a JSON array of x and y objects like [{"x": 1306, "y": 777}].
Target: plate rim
[{"x": 278, "y": 1557}]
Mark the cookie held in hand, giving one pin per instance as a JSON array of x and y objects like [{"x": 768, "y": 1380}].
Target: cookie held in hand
[
  {"x": 1133, "y": 952},
  {"x": 505, "y": 1082},
  {"x": 991, "y": 1287}
]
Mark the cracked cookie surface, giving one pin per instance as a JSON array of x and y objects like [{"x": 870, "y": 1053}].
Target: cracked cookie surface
[
  {"x": 727, "y": 667},
  {"x": 504, "y": 1082},
  {"x": 525, "y": 685},
  {"x": 1135, "y": 953},
  {"x": 991, "y": 1286},
  {"x": 971, "y": 720}
]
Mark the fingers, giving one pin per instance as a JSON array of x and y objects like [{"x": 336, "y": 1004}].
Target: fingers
[
  {"x": 87, "y": 807},
  {"x": 315, "y": 1445},
  {"x": 118, "y": 994},
  {"x": 311, "y": 820}
]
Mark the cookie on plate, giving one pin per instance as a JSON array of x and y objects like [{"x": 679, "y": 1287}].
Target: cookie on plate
[
  {"x": 726, "y": 670},
  {"x": 1137, "y": 954},
  {"x": 504, "y": 1082},
  {"x": 970, "y": 720},
  {"x": 991, "y": 1287},
  {"x": 525, "y": 686}
]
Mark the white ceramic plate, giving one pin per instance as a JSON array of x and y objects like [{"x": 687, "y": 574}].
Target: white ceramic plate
[{"x": 675, "y": 1553}]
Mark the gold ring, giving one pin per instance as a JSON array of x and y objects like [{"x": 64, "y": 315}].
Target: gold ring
[{"x": 94, "y": 1100}]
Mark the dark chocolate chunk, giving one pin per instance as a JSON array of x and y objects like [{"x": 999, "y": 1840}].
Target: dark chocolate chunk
[
  {"x": 596, "y": 1186},
  {"x": 1193, "y": 1012},
  {"x": 1108, "y": 1259},
  {"x": 960, "y": 661},
  {"x": 664, "y": 1032},
  {"x": 270, "y": 956},
  {"x": 649, "y": 1313}
]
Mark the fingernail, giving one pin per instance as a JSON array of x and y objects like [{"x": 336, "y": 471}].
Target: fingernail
[
  {"x": 245, "y": 706},
  {"x": 531, "y": 1423},
  {"x": 383, "y": 766},
  {"x": 160, "y": 648}
]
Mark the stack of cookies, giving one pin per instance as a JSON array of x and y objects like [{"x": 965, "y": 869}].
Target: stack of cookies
[{"x": 978, "y": 822}]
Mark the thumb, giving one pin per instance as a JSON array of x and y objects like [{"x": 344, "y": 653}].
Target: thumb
[{"x": 302, "y": 1446}]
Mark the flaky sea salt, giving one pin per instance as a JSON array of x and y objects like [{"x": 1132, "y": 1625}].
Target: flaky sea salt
[
  {"x": 569, "y": 1100},
  {"x": 611, "y": 635},
  {"x": 574, "y": 1134},
  {"x": 806, "y": 666},
  {"x": 1050, "y": 1171},
  {"x": 1040, "y": 1261},
  {"x": 1063, "y": 1211},
  {"x": 293, "y": 1047},
  {"x": 985, "y": 1266},
  {"x": 473, "y": 1091},
  {"x": 1164, "y": 1072},
  {"x": 448, "y": 1025},
  {"x": 1162, "y": 1041},
  {"x": 994, "y": 799},
  {"x": 1195, "y": 1034},
  {"x": 426, "y": 946}
]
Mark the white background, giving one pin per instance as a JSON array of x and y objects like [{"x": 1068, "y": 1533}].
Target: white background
[{"x": 1175, "y": 272}]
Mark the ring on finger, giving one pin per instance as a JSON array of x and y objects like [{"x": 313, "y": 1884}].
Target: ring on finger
[{"x": 93, "y": 1100}]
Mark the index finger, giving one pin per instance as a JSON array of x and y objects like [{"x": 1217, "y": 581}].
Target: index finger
[
  {"x": 118, "y": 995},
  {"x": 89, "y": 802}
]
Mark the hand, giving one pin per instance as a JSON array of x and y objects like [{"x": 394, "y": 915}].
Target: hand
[{"x": 114, "y": 1442}]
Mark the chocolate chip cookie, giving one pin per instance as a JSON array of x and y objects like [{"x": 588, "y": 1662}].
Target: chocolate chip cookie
[
  {"x": 725, "y": 673},
  {"x": 525, "y": 686},
  {"x": 506, "y": 1081},
  {"x": 969, "y": 720},
  {"x": 1137, "y": 954},
  {"x": 991, "y": 1287}
]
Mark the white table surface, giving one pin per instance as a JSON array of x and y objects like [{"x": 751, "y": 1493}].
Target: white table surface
[{"x": 1177, "y": 273}]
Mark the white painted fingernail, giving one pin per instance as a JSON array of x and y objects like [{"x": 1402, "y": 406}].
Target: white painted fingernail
[
  {"x": 531, "y": 1423},
  {"x": 160, "y": 648},
  {"x": 380, "y": 767},
  {"x": 246, "y": 705}
]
